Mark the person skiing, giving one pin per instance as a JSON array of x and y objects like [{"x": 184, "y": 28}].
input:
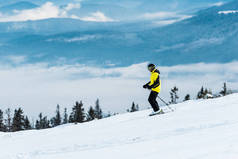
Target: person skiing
[{"x": 154, "y": 85}]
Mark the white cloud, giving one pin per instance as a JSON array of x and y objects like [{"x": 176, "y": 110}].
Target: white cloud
[
  {"x": 165, "y": 48},
  {"x": 47, "y": 10},
  {"x": 228, "y": 12},
  {"x": 193, "y": 45},
  {"x": 165, "y": 18},
  {"x": 218, "y": 4},
  {"x": 161, "y": 15},
  {"x": 76, "y": 39},
  {"x": 97, "y": 17},
  {"x": 39, "y": 88},
  {"x": 14, "y": 59},
  {"x": 204, "y": 42},
  {"x": 71, "y": 6},
  {"x": 165, "y": 22}
]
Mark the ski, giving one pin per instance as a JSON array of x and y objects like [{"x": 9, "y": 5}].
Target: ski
[{"x": 159, "y": 113}]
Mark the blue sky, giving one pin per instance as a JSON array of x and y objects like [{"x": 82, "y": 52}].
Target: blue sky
[{"x": 108, "y": 11}]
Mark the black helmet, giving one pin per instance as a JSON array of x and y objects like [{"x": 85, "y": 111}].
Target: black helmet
[{"x": 151, "y": 67}]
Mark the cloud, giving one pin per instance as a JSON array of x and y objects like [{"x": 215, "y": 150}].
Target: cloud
[
  {"x": 40, "y": 87},
  {"x": 166, "y": 48},
  {"x": 161, "y": 15},
  {"x": 204, "y": 42},
  {"x": 165, "y": 22},
  {"x": 218, "y": 4},
  {"x": 165, "y": 18},
  {"x": 164, "y": 15},
  {"x": 11, "y": 59},
  {"x": 47, "y": 10},
  {"x": 228, "y": 12},
  {"x": 193, "y": 45},
  {"x": 97, "y": 17},
  {"x": 76, "y": 39}
]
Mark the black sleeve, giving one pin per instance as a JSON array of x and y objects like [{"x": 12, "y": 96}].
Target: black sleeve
[{"x": 147, "y": 84}]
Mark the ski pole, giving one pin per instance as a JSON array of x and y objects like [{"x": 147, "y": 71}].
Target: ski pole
[{"x": 165, "y": 103}]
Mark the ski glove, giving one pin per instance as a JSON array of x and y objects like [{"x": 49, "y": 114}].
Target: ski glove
[
  {"x": 149, "y": 87},
  {"x": 145, "y": 86}
]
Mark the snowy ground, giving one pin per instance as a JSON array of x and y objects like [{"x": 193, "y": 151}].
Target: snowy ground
[{"x": 204, "y": 129}]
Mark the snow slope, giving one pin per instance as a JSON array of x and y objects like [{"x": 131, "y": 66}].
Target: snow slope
[{"x": 202, "y": 129}]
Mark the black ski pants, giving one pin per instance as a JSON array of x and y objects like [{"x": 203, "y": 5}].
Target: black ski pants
[{"x": 152, "y": 100}]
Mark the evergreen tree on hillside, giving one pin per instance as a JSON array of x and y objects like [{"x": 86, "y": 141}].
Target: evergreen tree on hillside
[
  {"x": 187, "y": 97},
  {"x": 77, "y": 115},
  {"x": 65, "y": 120},
  {"x": 91, "y": 115},
  {"x": 224, "y": 90},
  {"x": 8, "y": 120},
  {"x": 174, "y": 95},
  {"x": 27, "y": 124},
  {"x": 37, "y": 125},
  {"x": 201, "y": 93},
  {"x": 57, "y": 119},
  {"x": 18, "y": 120},
  {"x": 134, "y": 107},
  {"x": 98, "y": 110},
  {"x": 2, "y": 126},
  {"x": 43, "y": 122}
]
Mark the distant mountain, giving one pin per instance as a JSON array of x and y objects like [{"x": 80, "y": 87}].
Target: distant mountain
[{"x": 207, "y": 37}]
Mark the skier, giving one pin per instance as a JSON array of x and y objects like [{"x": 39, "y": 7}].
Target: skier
[{"x": 154, "y": 85}]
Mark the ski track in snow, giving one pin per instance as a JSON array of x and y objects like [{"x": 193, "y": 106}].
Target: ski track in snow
[{"x": 201, "y": 129}]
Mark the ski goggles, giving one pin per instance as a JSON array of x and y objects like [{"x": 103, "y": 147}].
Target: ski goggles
[{"x": 151, "y": 68}]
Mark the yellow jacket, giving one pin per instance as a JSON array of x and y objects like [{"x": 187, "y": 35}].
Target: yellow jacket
[{"x": 155, "y": 82}]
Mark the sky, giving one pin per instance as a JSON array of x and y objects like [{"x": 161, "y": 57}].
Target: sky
[{"x": 100, "y": 11}]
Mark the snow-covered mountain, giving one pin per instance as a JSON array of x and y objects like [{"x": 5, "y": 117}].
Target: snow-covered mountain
[
  {"x": 208, "y": 36},
  {"x": 202, "y": 129}
]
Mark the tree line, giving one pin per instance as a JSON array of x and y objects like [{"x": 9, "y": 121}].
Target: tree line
[
  {"x": 19, "y": 121},
  {"x": 203, "y": 93}
]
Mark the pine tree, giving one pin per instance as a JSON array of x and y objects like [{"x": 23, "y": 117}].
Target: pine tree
[
  {"x": 201, "y": 93},
  {"x": 224, "y": 90},
  {"x": 2, "y": 126},
  {"x": 40, "y": 121},
  {"x": 43, "y": 122},
  {"x": 57, "y": 119},
  {"x": 98, "y": 110},
  {"x": 8, "y": 120},
  {"x": 187, "y": 97},
  {"x": 37, "y": 125},
  {"x": 91, "y": 114},
  {"x": 65, "y": 120},
  {"x": 174, "y": 95},
  {"x": 134, "y": 107},
  {"x": 77, "y": 114},
  {"x": 27, "y": 124},
  {"x": 205, "y": 92},
  {"x": 18, "y": 120}
]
